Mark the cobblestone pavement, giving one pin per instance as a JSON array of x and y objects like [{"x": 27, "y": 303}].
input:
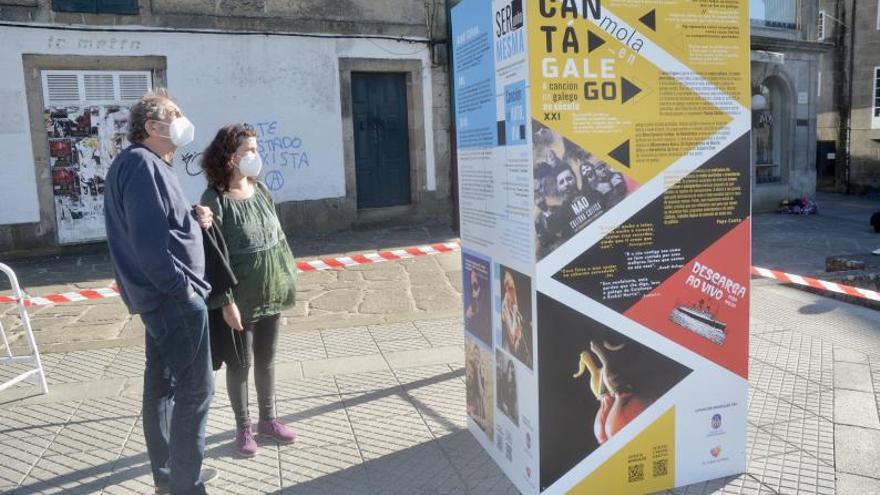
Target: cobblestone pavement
[
  {"x": 360, "y": 295},
  {"x": 380, "y": 409}
]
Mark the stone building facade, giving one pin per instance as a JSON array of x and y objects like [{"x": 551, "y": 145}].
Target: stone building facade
[
  {"x": 350, "y": 101},
  {"x": 785, "y": 66},
  {"x": 849, "y": 105}
]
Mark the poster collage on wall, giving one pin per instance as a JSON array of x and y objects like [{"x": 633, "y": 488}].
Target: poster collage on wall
[
  {"x": 83, "y": 141},
  {"x": 604, "y": 181}
]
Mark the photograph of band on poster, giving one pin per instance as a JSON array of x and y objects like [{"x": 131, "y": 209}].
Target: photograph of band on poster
[{"x": 573, "y": 188}]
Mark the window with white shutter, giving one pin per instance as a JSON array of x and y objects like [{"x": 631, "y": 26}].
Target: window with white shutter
[
  {"x": 99, "y": 87},
  {"x": 133, "y": 86},
  {"x": 66, "y": 87},
  {"x": 62, "y": 88}
]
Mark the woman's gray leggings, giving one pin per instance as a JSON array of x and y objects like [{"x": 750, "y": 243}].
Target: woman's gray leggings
[{"x": 255, "y": 344}]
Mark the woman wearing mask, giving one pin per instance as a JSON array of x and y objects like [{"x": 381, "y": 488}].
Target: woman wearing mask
[{"x": 262, "y": 262}]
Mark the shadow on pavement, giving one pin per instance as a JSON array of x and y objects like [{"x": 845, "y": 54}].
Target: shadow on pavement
[
  {"x": 453, "y": 463},
  {"x": 817, "y": 308},
  {"x": 131, "y": 467}
]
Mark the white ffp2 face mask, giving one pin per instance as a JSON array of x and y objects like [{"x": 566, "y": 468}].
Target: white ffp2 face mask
[
  {"x": 181, "y": 131},
  {"x": 250, "y": 165}
]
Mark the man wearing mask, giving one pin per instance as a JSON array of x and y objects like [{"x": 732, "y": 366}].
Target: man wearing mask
[{"x": 156, "y": 249}]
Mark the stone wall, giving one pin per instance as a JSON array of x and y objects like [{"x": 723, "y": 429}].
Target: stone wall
[
  {"x": 388, "y": 17},
  {"x": 421, "y": 22},
  {"x": 864, "y": 127},
  {"x": 798, "y": 170}
]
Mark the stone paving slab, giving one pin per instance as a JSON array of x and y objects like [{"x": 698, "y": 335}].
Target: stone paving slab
[
  {"x": 860, "y": 457},
  {"x": 850, "y": 483}
]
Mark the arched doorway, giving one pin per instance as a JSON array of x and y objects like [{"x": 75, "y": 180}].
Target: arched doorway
[{"x": 771, "y": 121}]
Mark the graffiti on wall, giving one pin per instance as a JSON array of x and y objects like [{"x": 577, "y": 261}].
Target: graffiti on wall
[
  {"x": 83, "y": 141},
  {"x": 279, "y": 149},
  {"x": 282, "y": 153}
]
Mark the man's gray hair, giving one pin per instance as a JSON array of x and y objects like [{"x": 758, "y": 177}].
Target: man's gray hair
[{"x": 151, "y": 106}]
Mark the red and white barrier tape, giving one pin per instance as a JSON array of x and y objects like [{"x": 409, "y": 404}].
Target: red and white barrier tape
[
  {"x": 302, "y": 266},
  {"x": 429, "y": 250},
  {"x": 83, "y": 295},
  {"x": 377, "y": 257},
  {"x": 817, "y": 284}
]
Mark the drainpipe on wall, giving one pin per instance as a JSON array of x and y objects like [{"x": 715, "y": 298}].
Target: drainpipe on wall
[
  {"x": 849, "y": 96},
  {"x": 844, "y": 88}
]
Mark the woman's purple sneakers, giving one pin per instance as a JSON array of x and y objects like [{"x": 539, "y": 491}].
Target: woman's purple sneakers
[
  {"x": 245, "y": 443},
  {"x": 273, "y": 428}
]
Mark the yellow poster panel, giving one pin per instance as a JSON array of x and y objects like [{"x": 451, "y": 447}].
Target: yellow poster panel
[
  {"x": 623, "y": 81},
  {"x": 644, "y": 465},
  {"x": 704, "y": 35}
]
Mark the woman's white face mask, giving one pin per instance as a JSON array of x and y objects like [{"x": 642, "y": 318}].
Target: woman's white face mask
[
  {"x": 181, "y": 131},
  {"x": 250, "y": 164}
]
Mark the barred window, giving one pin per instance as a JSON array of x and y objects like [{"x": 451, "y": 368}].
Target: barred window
[
  {"x": 125, "y": 7},
  {"x": 876, "y": 91}
]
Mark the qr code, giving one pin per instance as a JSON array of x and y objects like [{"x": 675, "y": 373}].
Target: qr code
[
  {"x": 661, "y": 467},
  {"x": 636, "y": 473}
]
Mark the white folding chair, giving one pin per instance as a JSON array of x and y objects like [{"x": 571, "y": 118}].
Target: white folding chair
[{"x": 36, "y": 374}]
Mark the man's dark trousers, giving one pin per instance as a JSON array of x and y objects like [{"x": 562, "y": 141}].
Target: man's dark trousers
[{"x": 178, "y": 387}]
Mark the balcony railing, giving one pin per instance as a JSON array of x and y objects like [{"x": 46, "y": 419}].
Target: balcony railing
[{"x": 780, "y": 14}]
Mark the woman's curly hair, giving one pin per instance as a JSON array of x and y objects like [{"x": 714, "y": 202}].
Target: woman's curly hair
[{"x": 217, "y": 158}]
